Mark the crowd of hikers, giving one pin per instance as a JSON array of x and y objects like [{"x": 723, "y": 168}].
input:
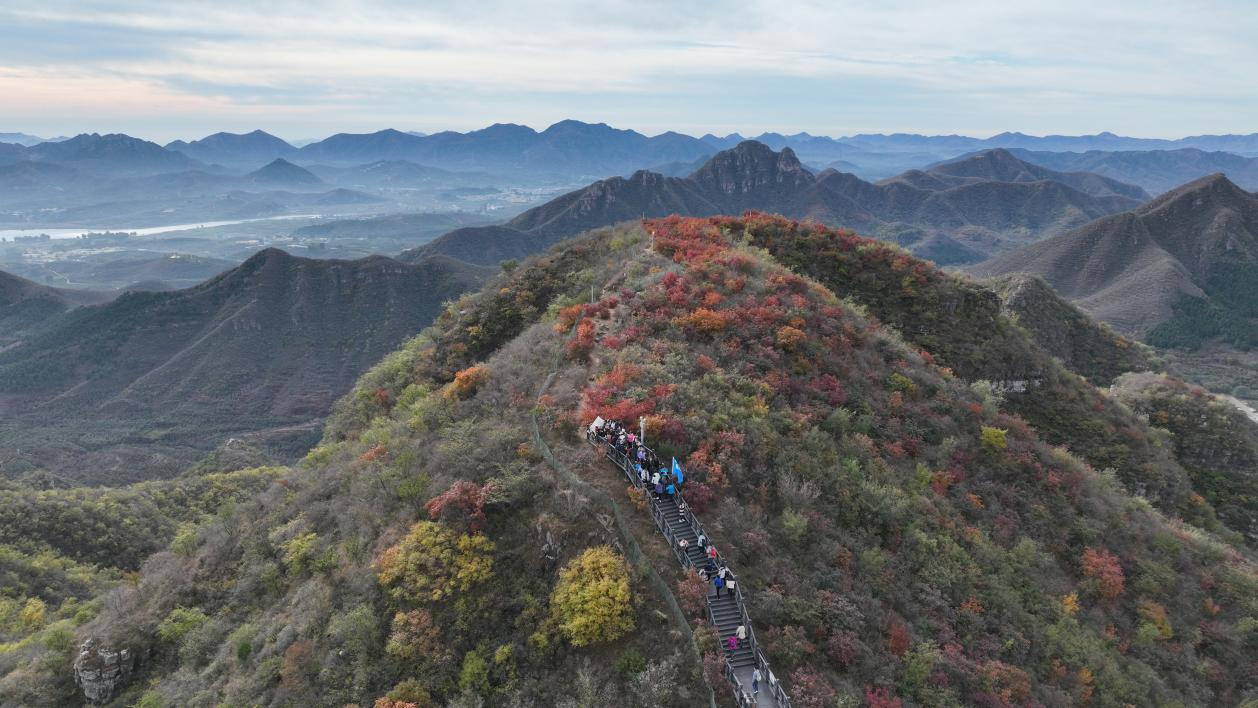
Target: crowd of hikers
[{"x": 666, "y": 483}]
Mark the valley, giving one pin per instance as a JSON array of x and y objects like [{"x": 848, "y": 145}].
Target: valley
[{"x": 260, "y": 440}]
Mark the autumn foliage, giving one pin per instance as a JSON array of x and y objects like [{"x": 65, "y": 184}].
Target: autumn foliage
[
  {"x": 591, "y": 602},
  {"x": 432, "y": 563},
  {"x": 466, "y": 382},
  {"x": 1103, "y": 566}
]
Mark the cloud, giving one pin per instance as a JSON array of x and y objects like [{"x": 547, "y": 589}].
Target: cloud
[{"x": 1139, "y": 67}]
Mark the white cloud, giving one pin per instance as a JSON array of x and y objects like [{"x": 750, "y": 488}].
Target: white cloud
[{"x": 1140, "y": 67}]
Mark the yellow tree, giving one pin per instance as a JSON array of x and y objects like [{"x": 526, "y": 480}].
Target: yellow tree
[{"x": 591, "y": 600}]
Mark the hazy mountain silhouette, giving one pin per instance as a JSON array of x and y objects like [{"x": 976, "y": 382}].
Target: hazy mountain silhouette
[
  {"x": 282, "y": 174},
  {"x": 115, "y": 152},
  {"x": 567, "y": 147},
  {"x": 1156, "y": 170},
  {"x": 952, "y": 213},
  {"x": 246, "y": 150}
]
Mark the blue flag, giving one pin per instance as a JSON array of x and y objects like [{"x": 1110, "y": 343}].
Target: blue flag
[{"x": 681, "y": 477}]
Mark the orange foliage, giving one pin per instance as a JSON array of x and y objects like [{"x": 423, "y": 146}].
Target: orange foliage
[
  {"x": 375, "y": 452},
  {"x": 703, "y": 320},
  {"x": 466, "y": 382},
  {"x": 789, "y": 338},
  {"x": 1103, "y": 566}
]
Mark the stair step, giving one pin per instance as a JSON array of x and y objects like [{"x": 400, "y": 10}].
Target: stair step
[{"x": 725, "y": 611}]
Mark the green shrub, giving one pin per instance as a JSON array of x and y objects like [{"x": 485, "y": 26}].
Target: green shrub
[
  {"x": 180, "y": 622},
  {"x": 631, "y": 662},
  {"x": 993, "y": 439}
]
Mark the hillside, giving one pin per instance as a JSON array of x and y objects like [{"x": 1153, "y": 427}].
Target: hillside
[
  {"x": 1179, "y": 270},
  {"x": 1217, "y": 442},
  {"x": 899, "y": 535},
  {"x": 1085, "y": 346},
  {"x": 1155, "y": 170},
  {"x": 943, "y": 214},
  {"x": 146, "y": 384},
  {"x": 26, "y": 306}
]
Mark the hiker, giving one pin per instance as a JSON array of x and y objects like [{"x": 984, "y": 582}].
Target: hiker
[
  {"x": 756, "y": 676},
  {"x": 741, "y": 633},
  {"x": 659, "y": 490},
  {"x": 682, "y": 508},
  {"x": 671, "y": 489},
  {"x": 683, "y": 544},
  {"x": 712, "y": 552},
  {"x": 703, "y": 541},
  {"x": 731, "y": 644},
  {"x": 718, "y": 582},
  {"x": 655, "y": 479},
  {"x": 730, "y": 580}
]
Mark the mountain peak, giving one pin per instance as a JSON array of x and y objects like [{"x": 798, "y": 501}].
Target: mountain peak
[
  {"x": 281, "y": 172},
  {"x": 1215, "y": 188},
  {"x": 749, "y": 166}
]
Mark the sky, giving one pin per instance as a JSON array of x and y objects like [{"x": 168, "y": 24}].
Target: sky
[{"x": 307, "y": 69}]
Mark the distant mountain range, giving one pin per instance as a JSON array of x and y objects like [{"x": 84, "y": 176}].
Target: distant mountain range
[
  {"x": 235, "y": 150},
  {"x": 953, "y": 213},
  {"x": 1157, "y": 171},
  {"x": 263, "y": 347},
  {"x": 878, "y": 155},
  {"x": 27, "y": 140},
  {"x": 575, "y": 150},
  {"x": 1180, "y": 270},
  {"x": 114, "y": 153}
]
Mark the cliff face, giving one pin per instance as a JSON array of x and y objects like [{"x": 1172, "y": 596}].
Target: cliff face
[{"x": 101, "y": 672}]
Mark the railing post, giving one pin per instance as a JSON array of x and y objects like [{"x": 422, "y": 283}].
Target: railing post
[{"x": 741, "y": 696}]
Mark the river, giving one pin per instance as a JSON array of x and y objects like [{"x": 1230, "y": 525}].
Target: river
[{"x": 11, "y": 234}]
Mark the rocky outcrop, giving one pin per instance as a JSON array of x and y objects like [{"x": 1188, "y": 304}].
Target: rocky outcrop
[{"x": 101, "y": 671}]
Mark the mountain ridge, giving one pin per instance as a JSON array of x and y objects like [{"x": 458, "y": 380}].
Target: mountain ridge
[
  {"x": 1195, "y": 244},
  {"x": 935, "y": 213},
  {"x": 266, "y": 344}
]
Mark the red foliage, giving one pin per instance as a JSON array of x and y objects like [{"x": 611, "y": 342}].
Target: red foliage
[
  {"x": 692, "y": 593},
  {"x": 1104, "y": 567},
  {"x": 705, "y": 363},
  {"x": 465, "y": 496},
  {"x": 699, "y": 496},
  {"x": 881, "y": 698},
  {"x": 898, "y": 639},
  {"x": 843, "y": 647},
  {"x": 583, "y": 342},
  {"x": 811, "y": 690}
]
